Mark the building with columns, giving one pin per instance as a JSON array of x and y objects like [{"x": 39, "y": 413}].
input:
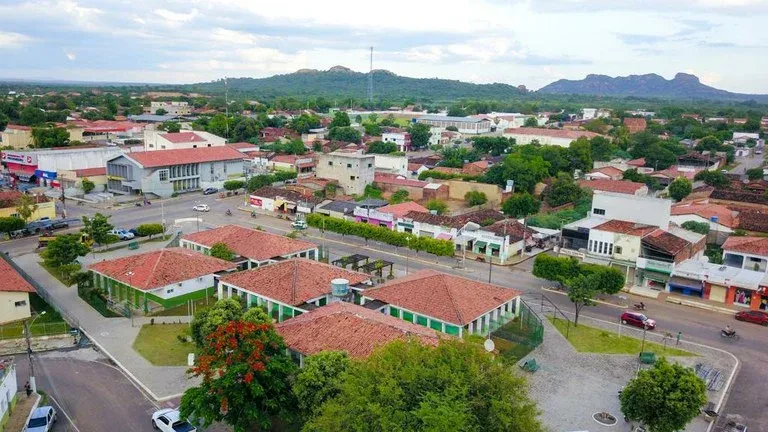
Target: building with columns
[{"x": 448, "y": 304}]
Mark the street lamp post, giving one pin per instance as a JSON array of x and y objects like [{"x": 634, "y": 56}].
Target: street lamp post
[
  {"x": 28, "y": 336},
  {"x": 407, "y": 254}
]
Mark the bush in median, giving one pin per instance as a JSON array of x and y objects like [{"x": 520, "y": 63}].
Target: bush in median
[{"x": 384, "y": 235}]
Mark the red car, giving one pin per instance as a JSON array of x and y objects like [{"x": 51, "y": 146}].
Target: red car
[
  {"x": 637, "y": 319},
  {"x": 757, "y": 317}
]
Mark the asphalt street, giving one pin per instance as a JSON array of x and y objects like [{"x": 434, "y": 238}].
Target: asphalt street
[{"x": 701, "y": 326}]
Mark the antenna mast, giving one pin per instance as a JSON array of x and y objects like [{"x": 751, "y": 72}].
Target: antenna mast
[
  {"x": 226, "y": 104},
  {"x": 370, "y": 79}
]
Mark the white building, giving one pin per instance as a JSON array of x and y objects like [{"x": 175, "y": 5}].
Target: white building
[
  {"x": 43, "y": 165},
  {"x": 157, "y": 140},
  {"x": 559, "y": 137},
  {"x": 391, "y": 164},
  {"x": 171, "y": 108},
  {"x": 8, "y": 387},
  {"x": 593, "y": 113},
  {"x": 631, "y": 208},
  {"x": 353, "y": 171},
  {"x": 401, "y": 139},
  {"x": 465, "y": 125}
]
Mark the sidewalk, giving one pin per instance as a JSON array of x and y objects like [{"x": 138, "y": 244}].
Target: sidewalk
[
  {"x": 114, "y": 336},
  {"x": 20, "y": 413}
]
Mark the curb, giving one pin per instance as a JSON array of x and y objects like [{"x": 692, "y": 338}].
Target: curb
[{"x": 694, "y": 304}]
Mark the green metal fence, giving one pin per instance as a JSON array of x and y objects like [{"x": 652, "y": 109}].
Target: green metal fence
[
  {"x": 16, "y": 331},
  {"x": 518, "y": 337}
]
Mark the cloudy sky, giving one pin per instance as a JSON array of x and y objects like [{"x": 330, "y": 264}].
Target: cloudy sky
[{"x": 530, "y": 42}]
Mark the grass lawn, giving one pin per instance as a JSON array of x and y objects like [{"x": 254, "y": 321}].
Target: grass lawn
[
  {"x": 48, "y": 324},
  {"x": 591, "y": 339},
  {"x": 182, "y": 310},
  {"x": 160, "y": 346}
]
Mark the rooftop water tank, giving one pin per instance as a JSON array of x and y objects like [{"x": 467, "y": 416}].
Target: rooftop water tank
[{"x": 339, "y": 287}]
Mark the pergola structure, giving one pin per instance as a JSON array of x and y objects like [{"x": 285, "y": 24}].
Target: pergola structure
[
  {"x": 377, "y": 267},
  {"x": 355, "y": 260}
]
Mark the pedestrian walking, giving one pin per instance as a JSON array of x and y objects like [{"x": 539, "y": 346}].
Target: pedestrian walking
[
  {"x": 679, "y": 335},
  {"x": 28, "y": 389}
]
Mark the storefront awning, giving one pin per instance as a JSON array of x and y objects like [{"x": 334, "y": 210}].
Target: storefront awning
[
  {"x": 443, "y": 236},
  {"x": 683, "y": 283},
  {"x": 494, "y": 246},
  {"x": 481, "y": 244}
]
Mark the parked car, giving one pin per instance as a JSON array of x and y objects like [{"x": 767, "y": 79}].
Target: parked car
[
  {"x": 637, "y": 319},
  {"x": 210, "y": 191},
  {"x": 201, "y": 208},
  {"x": 169, "y": 420},
  {"x": 757, "y": 317},
  {"x": 299, "y": 224},
  {"x": 122, "y": 234},
  {"x": 42, "y": 419}
]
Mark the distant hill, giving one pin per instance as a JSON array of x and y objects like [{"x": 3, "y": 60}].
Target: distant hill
[
  {"x": 339, "y": 82},
  {"x": 682, "y": 86}
]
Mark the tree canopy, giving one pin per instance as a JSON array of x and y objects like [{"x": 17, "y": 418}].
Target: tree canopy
[
  {"x": 222, "y": 251},
  {"x": 64, "y": 250},
  {"x": 665, "y": 397},
  {"x": 520, "y": 205},
  {"x": 680, "y": 188},
  {"x": 408, "y": 386}
]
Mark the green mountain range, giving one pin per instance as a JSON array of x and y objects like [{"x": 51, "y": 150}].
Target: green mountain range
[{"x": 340, "y": 82}]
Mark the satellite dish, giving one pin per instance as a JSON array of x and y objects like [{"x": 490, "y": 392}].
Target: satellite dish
[{"x": 489, "y": 345}]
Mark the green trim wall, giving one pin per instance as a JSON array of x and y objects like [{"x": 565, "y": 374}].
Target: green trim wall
[
  {"x": 7, "y": 414},
  {"x": 139, "y": 298},
  {"x": 424, "y": 321}
]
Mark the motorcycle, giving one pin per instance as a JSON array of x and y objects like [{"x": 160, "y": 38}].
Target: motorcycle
[
  {"x": 228, "y": 212},
  {"x": 640, "y": 306},
  {"x": 732, "y": 335}
]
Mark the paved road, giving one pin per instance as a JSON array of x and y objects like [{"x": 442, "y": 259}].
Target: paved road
[
  {"x": 88, "y": 393},
  {"x": 745, "y": 163},
  {"x": 747, "y": 397}
]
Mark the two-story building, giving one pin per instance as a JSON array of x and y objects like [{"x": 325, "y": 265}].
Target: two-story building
[
  {"x": 158, "y": 140},
  {"x": 289, "y": 288},
  {"x": 161, "y": 278},
  {"x": 391, "y": 164},
  {"x": 386, "y": 216},
  {"x": 400, "y": 138},
  {"x": 175, "y": 108},
  {"x": 165, "y": 172},
  {"x": 352, "y": 170},
  {"x": 253, "y": 248},
  {"x": 281, "y": 200}
]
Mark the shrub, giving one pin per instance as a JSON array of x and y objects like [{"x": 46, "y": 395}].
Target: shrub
[
  {"x": 149, "y": 229},
  {"x": 231, "y": 185},
  {"x": 384, "y": 235},
  {"x": 475, "y": 198},
  {"x": 436, "y": 205}
]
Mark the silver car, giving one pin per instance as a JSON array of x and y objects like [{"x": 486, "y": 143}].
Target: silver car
[{"x": 42, "y": 419}]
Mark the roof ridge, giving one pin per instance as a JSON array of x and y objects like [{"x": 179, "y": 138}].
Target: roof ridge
[
  {"x": 154, "y": 267},
  {"x": 450, "y": 297}
]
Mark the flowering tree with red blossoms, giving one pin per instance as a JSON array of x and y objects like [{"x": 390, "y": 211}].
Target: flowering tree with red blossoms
[{"x": 245, "y": 377}]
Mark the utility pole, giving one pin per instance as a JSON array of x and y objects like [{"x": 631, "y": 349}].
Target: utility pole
[
  {"x": 226, "y": 103},
  {"x": 162, "y": 216},
  {"x": 28, "y": 336}
]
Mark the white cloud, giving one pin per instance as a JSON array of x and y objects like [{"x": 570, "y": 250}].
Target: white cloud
[
  {"x": 13, "y": 40},
  {"x": 71, "y": 56},
  {"x": 176, "y": 17}
]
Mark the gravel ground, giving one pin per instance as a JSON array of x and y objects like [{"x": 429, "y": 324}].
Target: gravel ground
[{"x": 570, "y": 386}]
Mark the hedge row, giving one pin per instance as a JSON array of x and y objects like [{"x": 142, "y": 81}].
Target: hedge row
[
  {"x": 384, "y": 235},
  {"x": 438, "y": 175}
]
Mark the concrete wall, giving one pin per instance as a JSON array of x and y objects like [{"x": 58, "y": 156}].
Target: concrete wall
[
  {"x": 391, "y": 164},
  {"x": 185, "y": 287},
  {"x": 72, "y": 159},
  {"x": 631, "y": 208},
  {"x": 8, "y": 389},
  {"x": 16, "y": 138},
  {"x": 457, "y": 189},
  {"x": 352, "y": 171},
  {"x": 630, "y": 247},
  {"x": 9, "y": 312}
]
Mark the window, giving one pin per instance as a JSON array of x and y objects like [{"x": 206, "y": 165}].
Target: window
[
  {"x": 163, "y": 175},
  {"x": 589, "y": 248},
  {"x": 194, "y": 145},
  {"x": 200, "y": 279},
  {"x": 211, "y": 169},
  {"x": 395, "y": 312},
  {"x": 617, "y": 249},
  {"x": 610, "y": 249},
  {"x": 349, "y": 165},
  {"x": 598, "y": 211},
  {"x": 20, "y": 303},
  {"x": 169, "y": 291},
  {"x": 370, "y": 165},
  {"x": 178, "y": 284},
  {"x": 330, "y": 163},
  {"x": 351, "y": 177}
]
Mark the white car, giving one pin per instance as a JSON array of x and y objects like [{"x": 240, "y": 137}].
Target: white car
[
  {"x": 122, "y": 234},
  {"x": 42, "y": 419},
  {"x": 201, "y": 208},
  {"x": 169, "y": 420}
]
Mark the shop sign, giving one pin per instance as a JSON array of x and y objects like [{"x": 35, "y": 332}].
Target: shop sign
[
  {"x": 256, "y": 202},
  {"x": 19, "y": 158}
]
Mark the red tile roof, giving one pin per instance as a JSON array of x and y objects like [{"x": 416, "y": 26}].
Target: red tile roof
[
  {"x": 90, "y": 172},
  {"x": 639, "y": 162},
  {"x": 447, "y": 170},
  {"x": 624, "y": 227},
  {"x": 618, "y": 186},
  {"x": 348, "y": 327},
  {"x": 159, "y": 158},
  {"x": 449, "y": 298},
  {"x": 725, "y": 216},
  {"x": 12, "y": 281},
  {"x": 750, "y": 245},
  {"x": 294, "y": 281},
  {"x": 394, "y": 180},
  {"x": 674, "y": 172},
  {"x": 635, "y": 124},
  {"x": 609, "y": 171},
  {"x": 554, "y": 133},
  {"x": 666, "y": 241},
  {"x": 284, "y": 158},
  {"x": 243, "y": 145},
  {"x": 18, "y": 127},
  {"x": 249, "y": 243},
  {"x": 182, "y": 137},
  {"x": 155, "y": 269},
  {"x": 415, "y": 166},
  {"x": 400, "y": 210}
]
